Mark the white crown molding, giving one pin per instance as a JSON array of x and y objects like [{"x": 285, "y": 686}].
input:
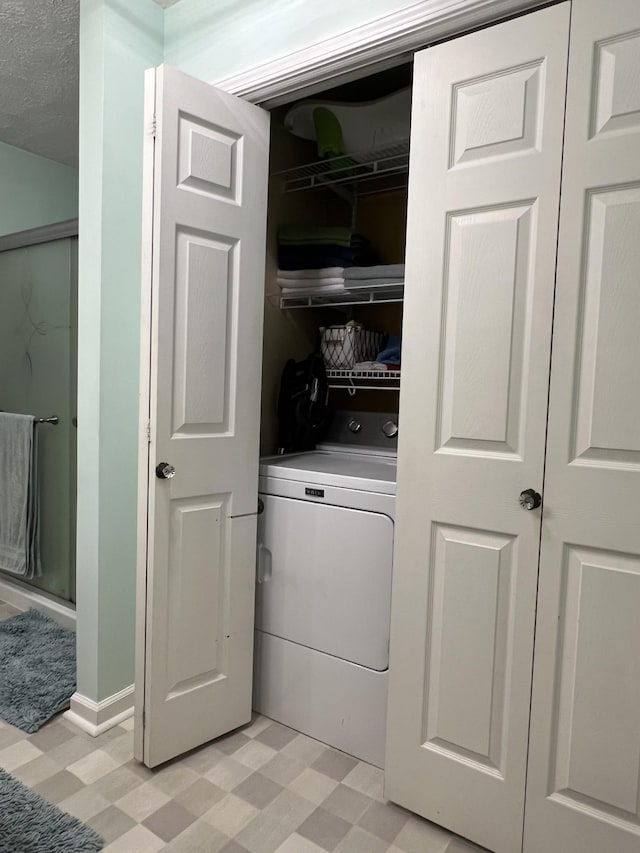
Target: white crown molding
[
  {"x": 373, "y": 46},
  {"x": 94, "y": 718}
]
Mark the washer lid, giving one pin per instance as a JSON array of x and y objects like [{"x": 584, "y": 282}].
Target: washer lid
[{"x": 347, "y": 470}]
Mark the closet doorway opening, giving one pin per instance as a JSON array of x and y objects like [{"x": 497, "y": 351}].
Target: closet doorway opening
[{"x": 338, "y": 160}]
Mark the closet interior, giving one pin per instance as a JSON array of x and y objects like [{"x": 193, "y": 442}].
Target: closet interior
[
  {"x": 364, "y": 192},
  {"x": 336, "y": 229}
]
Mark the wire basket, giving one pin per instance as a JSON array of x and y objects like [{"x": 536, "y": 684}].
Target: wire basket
[{"x": 343, "y": 347}]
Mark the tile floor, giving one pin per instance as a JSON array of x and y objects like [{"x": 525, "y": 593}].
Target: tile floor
[{"x": 264, "y": 789}]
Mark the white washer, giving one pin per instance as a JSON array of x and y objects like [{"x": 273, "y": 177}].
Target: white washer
[{"x": 325, "y": 550}]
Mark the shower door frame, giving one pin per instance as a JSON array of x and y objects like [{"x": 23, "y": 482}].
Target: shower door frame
[{"x": 13, "y": 590}]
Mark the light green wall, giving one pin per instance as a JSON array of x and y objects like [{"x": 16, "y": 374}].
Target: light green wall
[
  {"x": 35, "y": 191},
  {"x": 213, "y": 40},
  {"x": 118, "y": 41}
]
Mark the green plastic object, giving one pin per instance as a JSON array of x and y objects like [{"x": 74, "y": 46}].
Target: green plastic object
[{"x": 328, "y": 133}]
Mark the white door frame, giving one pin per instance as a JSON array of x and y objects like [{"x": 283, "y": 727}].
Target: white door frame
[{"x": 367, "y": 49}]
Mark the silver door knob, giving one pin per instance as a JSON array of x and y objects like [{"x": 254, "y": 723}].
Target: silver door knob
[
  {"x": 530, "y": 499},
  {"x": 165, "y": 471}
]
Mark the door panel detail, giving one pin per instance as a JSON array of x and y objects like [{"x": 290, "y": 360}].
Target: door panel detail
[
  {"x": 205, "y": 296},
  {"x": 486, "y": 299},
  {"x": 198, "y": 589},
  {"x": 607, "y": 414},
  {"x": 470, "y": 633},
  {"x": 496, "y": 115},
  {"x": 210, "y": 159},
  {"x": 617, "y": 85},
  {"x": 597, "y": 738}
]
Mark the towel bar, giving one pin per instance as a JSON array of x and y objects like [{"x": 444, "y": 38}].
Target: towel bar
[{"x": 54, "y": 420}]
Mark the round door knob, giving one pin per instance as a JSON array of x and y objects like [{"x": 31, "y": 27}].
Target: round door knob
[
  {"x": 530, "y": 499},
  {"x": 165, "y": 471}
]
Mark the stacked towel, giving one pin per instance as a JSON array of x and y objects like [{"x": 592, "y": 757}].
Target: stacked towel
[
  {"x": 320, "y": 235},
  {"x": 373, "y": 276},
  {"x": 310, "y": 275},
  {"x": 321, "y": 247},
  {"x": 305, "y": 282},
  {"x": 19, "y": 516}
]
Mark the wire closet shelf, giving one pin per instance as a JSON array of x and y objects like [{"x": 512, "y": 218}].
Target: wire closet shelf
[
  {"x": 364, "y": 380},
  {"x": 378, "y": 165},
  {"x": 380, "y": 294}
]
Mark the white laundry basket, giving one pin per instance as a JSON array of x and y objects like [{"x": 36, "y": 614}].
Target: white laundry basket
[{"x": 343, "y": 347}]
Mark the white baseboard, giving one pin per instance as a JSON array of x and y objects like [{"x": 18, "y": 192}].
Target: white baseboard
[
  {"x": 94, "y": 718},
  {"x": 23, "y": 596}
]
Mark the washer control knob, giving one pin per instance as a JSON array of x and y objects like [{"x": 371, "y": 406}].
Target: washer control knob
[
  {"x": 390, "y": 429},
  {"x": 354, "y": 425}
]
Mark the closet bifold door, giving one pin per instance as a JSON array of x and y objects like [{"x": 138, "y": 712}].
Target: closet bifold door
[
  {"x": 486, "y": 146},
  {"x": 583, "y": 788},
  {"x": 205, "y": 208}
]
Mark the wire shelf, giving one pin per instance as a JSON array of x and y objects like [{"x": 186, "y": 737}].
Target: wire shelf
[
  {"x": 348, "y": 169},
  {"x": 364, "y": 380},
  {"x": 359, "y": 296}
]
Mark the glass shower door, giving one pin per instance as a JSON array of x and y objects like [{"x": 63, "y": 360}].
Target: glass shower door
[{"x": 38, "y": 357}]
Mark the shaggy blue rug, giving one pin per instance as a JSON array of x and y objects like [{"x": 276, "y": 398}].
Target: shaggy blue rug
[
  {"x": 29, "y": 824},
  {"x": 37, "y": 669}
]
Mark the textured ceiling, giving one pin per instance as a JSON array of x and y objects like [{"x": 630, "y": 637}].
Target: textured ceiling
[{"x": 39, "y": 77}]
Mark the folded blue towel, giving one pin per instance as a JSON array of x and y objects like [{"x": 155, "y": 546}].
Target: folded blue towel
[
  {"x": 391, "y": 353},
  {"x": 317, "y": 257}
]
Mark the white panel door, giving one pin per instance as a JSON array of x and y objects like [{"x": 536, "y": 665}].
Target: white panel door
[
  {"x": 583, "y": 790},
  {"x": 488, "y": 111},
  {"x": 208, "y": 179}
]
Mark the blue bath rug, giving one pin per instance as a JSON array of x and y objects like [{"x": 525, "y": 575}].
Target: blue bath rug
[
  {"x": 29, "y": 824},
  {"x": 37, "y": 669}
]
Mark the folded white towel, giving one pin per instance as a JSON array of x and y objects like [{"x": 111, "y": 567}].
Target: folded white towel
[
  {"x": 309, "y": 284},
  {"x": 325, "y": 272},
  {"x": 314, "y": 291},
  {"x": 370, "y": 365}
]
